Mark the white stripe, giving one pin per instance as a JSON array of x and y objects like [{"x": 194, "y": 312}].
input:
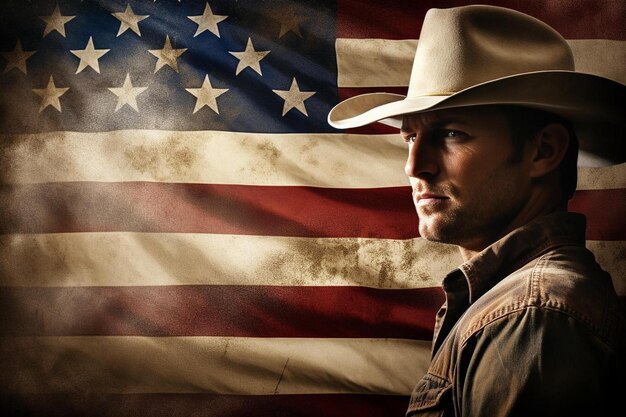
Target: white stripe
[
  {"x": 131, "y": 259},
  {"x": 602, "y": 178},
  {"x": 324, "y": 160},
  {"x": 610, "y": 255},
  {"x": 374, "y": 62},
  {"x": 135, "y": 259},
  {"x": 384, "y": 62},
  {"x": 222, "y": 365},
  {"x": 603, "y": 57}
]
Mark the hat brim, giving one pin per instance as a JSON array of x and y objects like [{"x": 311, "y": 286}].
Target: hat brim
[{"x": 593, "y": 104}]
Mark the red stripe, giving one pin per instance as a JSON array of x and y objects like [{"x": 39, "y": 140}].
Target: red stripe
[
  {"x": 243, "y": 311},
  {"x": 208, "y": 208},
  {"x": 185, "y": 405},
  {"x": 605, "y": 211},
  {"x": 247, "y": 210},
  {"x": 402, "y": 19}
]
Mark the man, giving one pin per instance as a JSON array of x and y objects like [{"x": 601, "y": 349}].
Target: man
[{"x": 531, "y": 325}]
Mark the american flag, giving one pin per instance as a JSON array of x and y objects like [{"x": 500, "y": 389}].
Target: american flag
[{"x": 182, "y": 233}]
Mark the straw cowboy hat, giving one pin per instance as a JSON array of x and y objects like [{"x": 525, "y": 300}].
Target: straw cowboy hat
[{"x": 481, "y": 55}]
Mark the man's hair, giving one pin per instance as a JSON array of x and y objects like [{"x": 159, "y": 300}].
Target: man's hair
[{"x": 525, "y": 123}]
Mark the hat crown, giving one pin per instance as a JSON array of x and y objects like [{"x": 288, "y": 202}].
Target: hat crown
[{"x": 465, "y": 46}]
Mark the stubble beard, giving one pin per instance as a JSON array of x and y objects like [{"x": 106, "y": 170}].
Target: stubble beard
[
  {"x": 443, "y": 227},
  {"x": 482, "y": 217}
]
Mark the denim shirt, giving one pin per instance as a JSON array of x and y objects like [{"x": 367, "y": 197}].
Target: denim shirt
[{"x": 531, "y": 326}]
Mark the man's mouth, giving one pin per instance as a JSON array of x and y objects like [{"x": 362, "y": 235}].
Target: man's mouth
[{"x": 428, "y": 199}]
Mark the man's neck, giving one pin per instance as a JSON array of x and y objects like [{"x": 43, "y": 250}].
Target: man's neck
[{"x": 528, "y": 213}]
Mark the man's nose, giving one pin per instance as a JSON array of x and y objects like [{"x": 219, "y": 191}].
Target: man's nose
[{"x": 421, "y": 161}]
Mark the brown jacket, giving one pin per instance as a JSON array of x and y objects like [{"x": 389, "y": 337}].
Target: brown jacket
[{"x": 531, "y": 326}]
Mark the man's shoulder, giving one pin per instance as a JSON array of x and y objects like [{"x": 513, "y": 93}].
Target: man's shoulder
[{"x": 565, "y": 280}]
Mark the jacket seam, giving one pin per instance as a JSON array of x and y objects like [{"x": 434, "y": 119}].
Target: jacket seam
[
  {"x": 533, "y": 298},
  {"x": 523, "y": 306},
  {"x": 540, "y": 300}
]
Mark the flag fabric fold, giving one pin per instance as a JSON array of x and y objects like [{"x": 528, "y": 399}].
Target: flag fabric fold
[{"x": 181, "y": 231}]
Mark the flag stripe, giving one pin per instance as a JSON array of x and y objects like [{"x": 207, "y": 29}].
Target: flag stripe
[
  {"x": 150, "y": 259},
  {"x": 185, "y": 405},
  {"x": 239, "y": 311},
  {"x": 251, "y": 366},
  {"x": 575, "y": 19},
  {"x": 394, "y": 60},
  {"x": 209, "y": 208},
  {"x": 604, "y": 221},
  {"x": 611, "y": 256},
  {"x": 271, "y": 210},
  {"x": 602, "y": 178},
  {"x": 356, "y": 68},
  {"x": 606, "y": 58},
  {"x": 324, "y": 160},
  {"x": 329, "y": 160}
]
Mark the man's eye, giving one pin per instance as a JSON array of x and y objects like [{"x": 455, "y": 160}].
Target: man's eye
[
  {"x": 409, "y": 138},
  {"x": 453, "y": 134}
]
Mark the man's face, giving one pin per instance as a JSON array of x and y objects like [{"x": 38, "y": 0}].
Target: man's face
[{"x": 465, "y": 189}]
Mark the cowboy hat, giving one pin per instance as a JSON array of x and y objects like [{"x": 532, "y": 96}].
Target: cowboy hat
[{"x": 485, "y": 55}]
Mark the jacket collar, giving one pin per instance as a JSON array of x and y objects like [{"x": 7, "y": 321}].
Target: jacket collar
[{"x": 519, "y": 247}]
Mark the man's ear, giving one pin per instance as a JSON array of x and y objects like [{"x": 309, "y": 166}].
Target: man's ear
[{"x": 549, "y": 147}]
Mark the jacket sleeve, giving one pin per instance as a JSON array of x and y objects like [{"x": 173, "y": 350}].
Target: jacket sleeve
[{"x": 536, "y": 362}]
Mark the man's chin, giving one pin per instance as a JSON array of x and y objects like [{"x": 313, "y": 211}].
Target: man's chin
[
  {"x": 429, "y": 233},
  {"x": 434, "y": 231}
]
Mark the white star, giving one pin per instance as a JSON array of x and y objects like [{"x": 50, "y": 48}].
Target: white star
[
  {"x": 207, "y": 21},
  {"x": 206, "y": 95},
  {"x": 127, "y": 94},
  {"x": 249, "y": 58},
  {"x": 129, "y": 20},
  {"x": 89, "y": 56},
  {"x": 290, "y": 22},
  {"x": 56, "y": 22},
  {"x": 294, "y": 98},
  {"x": 167, "y": 55},
  {"x": 17, "y": 58},
  {"x": 50, "y": 95}
]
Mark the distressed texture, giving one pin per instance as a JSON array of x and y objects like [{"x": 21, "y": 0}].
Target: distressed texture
[
  {"x": 93, "y": 259},
  {"x": 120, "y": 226},
  {"x": 209, "y": 364},
  {"x": 326, "y": 160}
]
